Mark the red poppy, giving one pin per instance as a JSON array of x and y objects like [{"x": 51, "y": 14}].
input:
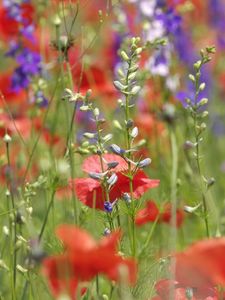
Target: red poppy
[
  {"x": 151, "y": 213},
  {"x": 57, "y": 268},
  {"x": 164, "y": 288},
  {"x": 10, "y": 27},
  {"x": 96, "y": 79},
  {"x": 10, "y": 96},
  {"x": 202, "y": 264},
  {"x": 148, "y": 125},
  {"x": 90, "y": 192},
  {"x": 19, "y": 125},
  {"x": 84, "y": 259},
  {"x": 167, "y": 214}
]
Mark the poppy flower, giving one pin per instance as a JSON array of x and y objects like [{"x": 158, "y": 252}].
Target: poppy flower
[
  {"x": 148, "y": 125},
  {"x": 83, "y": 259},
  {"x": 167, "y": 214},
  {"x": 202, "y": 264},
  {"x": 57, "y": 268},
  {"x": 10, "y": 96},
  {"x": 9, "y": 27},
  {"x": 21, "y": 125},
  {"x": 90, "y": 192},
  {"x": 96, "y": 79},
  {"x": 164, "y": 288},
  {"x": 151, "y": 213}
]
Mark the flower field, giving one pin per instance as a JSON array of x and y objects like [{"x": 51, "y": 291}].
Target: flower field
[{"x": 112, "y": 160}]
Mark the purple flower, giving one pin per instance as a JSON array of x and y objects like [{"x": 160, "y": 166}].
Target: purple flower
[
  {"x": 159, "y": 63},
  {"x": 216, "y": 10},
  {"x": 27, "y": 32},
  {"x": 108, "y": 206},
  {"x": 20, "y": 80},
  {"x": 170, "y": 20},
  {"x": 14, "y": 49},
  {"x": 29, "y": 62},
  {"x": 40, "y": 99}
]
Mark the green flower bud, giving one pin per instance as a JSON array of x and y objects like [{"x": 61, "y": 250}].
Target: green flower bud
[{"x": 124, "y": 55}]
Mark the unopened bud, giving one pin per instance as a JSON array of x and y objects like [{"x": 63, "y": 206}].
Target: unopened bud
[
  {"x": 124, "y": 55},
  {"x": 202, "y": 86},
  {"x": 7, "y": 138},
  {"x": 144, "y": 163},
  {"x": 203, "y": 101},
  {"x": 191, "y": 77},
  {"x": 21, "y": 269}
]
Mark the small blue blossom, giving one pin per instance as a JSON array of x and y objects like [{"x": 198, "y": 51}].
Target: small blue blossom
[
  {"x": 27, "y": 32},
  {"x": 29, "y": 61},
  {"x": 14, "y": 49},
  {"x": 107, "y": 231},
  {"x": 20, "y": 80},
  {"x": 170, "y": 20},
  {"x": 40, "y": 99},
  {"x": 108, "y": 206}
]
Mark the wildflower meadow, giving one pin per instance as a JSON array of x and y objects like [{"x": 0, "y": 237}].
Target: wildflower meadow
[{"x": 112, "y": 149}]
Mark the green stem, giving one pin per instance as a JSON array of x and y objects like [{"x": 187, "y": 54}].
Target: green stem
[
  {"x": 131, "y": 217},
  {"x": 173, "y": 196},
  {"x": 46, "y": 215},
  {"x": 14, "y": 232},
  {"x": 197, "y": 140}
]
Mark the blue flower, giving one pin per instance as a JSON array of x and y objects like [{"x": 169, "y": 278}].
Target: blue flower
[
  {"x": 30, "y": 62},
  {"x": 108, "y": 207},
  {"x": 40, "y": 99},
  {"x": 20, "y": 80},
  {"x": 14, "y": 49}
]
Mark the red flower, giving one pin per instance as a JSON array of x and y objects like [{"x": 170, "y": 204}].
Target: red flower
[
  {"x": 200, "y": 268},
  {"x": 10, "y": 27},
  {"x": 151, "y": 212},
  {"x": 164, "y": 288},
  {"x": 57, "y": 269},
  {"x": 84, "y": 259},
  {"x": 96, "y": 79},
  {"x": 10, "y": 96},
  {"x": 166, "y": 215},
  {"x": 19, "y": 125},
  {"x": 202, "y": 264},
  {"x": 90, "y": 192}
]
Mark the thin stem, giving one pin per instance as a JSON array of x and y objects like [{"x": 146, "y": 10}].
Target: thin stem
[
  {"x": 131, "y": 218},
  {"x": 173, "y": 196},
  {"x": 197, "y": 141},
  {"x": 14, "y": 233},
  {"x": 46, "y": 215}
]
